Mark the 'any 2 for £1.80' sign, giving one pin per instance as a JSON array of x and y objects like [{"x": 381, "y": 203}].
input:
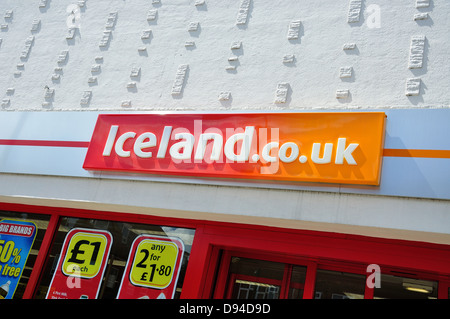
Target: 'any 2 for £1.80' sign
[{"x": 152, "y": 269}]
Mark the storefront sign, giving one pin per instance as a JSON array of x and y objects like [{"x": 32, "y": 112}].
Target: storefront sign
[
  {"x": 16, "y": 240},
  {"x": 81, "y": 265},
  {"x": 296, "y": 147},
  {"x": 152, "y": 268}
]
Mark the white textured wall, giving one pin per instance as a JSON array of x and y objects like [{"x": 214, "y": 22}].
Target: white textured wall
[
  {"x": 399, "y": 58},
  {"x": 381, "y": 63}
]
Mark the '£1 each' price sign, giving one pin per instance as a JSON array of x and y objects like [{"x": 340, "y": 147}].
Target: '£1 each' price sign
[
  {"x": 153, "y": 267},
  {"x": 81, "y": 264},
  {"x": 85, "y": 254}
]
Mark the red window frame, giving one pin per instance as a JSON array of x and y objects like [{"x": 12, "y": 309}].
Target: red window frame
[{"x": 314, "y": 249}]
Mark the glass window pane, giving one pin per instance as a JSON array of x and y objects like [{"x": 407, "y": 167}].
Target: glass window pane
[
  {"x": 18, "y": 254},
  {"x": 339, "y": 285},
  {"x": 124, "y": 235},
  {"x": 255, "y": 279},
  {"x": 394, "y": 287},
  {"x": 297, "y": 285}
]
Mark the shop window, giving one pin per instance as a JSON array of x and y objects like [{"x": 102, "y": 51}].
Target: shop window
[
  {"x": 255, "y": 279},
  {"x": 21, "y": 236},
  {"x": 248, "y": 278},
  {"x": 143, "y": 260},
  {"x": 396, "y": 287},
  {"x": 339, "y": 285},
  {"x": 298, "y": 278}
]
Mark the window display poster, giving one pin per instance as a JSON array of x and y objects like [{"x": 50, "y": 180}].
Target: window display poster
[
  {"x": 16, "y": 239},
  {"x": 152, "y": 268},
  {"x": 81, "y": 264}
]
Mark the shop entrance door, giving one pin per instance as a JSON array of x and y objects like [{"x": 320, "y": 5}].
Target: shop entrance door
[{"x": 244, "y": 276}]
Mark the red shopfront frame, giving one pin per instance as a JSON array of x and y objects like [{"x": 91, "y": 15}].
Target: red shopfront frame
[
  {"x": 325, "y": 250},
  {"x": 322, "y": 250}
]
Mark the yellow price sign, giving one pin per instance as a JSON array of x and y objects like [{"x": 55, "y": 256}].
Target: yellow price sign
[
  {"x": 154, "y": 263},
  {"x": 84, "y": 255}
]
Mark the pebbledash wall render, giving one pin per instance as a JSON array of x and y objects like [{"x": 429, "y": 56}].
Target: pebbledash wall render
[{"x": 65, "y": 64}]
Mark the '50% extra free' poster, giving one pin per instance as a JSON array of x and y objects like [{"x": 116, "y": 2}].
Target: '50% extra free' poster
[{"x": 16, "y": 240}]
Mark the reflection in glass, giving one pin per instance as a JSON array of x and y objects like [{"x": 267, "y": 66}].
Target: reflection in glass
[
  {"x": 339, "y": 285},
  {"x": 395, "y": 287},
  {"x": 255, "y": 290},
  {"x": 255, "y": 279},
  {"x": 298, "y": 278}
]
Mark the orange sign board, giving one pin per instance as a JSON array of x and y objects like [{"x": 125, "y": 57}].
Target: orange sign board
[{"x": 325, "y": 147}]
